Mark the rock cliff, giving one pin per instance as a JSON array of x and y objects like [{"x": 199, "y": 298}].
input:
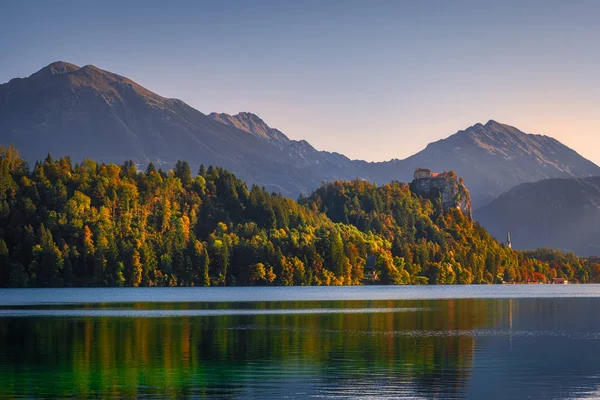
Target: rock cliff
[{"x": 444, "y": 186}]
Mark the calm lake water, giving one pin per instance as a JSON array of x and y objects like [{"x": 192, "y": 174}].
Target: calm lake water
[{"x": 373, "y": 342}]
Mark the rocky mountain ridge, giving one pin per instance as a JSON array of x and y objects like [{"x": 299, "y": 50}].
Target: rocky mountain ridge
[
  {"x": 503, "y": 156},
  {"x": 85, "y": 111},
  {"x": 494, "y": 157}
]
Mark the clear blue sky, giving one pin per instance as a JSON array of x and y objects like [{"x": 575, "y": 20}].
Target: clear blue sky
[{"x": 371, "y": 79}]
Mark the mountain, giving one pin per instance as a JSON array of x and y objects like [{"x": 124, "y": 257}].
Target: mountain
[
  {"x": 555, "y": 213},
  {"x": 328, "y": 165},
  {"x": 493, "y": 158},
  {"x": 251, "y": 123},
  {"x": 86, "y": 112}
]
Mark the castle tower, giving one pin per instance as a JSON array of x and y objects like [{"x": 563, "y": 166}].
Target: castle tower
[
  {"x": 422, "y": 173},
  {"x": 508, "y": 243}
]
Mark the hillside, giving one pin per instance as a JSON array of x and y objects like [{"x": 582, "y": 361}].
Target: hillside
[
  {"x": 554, "y": 213},
  {"x": 111, "y": 225}
]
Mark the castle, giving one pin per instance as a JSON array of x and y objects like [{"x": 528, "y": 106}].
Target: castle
[
  {"x": 423, "y": 173},
  {"x": 444, "y": 185}
]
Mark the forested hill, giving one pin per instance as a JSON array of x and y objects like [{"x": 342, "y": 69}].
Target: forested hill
[{"x": 95, "y": 224}]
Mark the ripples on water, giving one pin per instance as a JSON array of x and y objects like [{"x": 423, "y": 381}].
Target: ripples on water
[
  {"x": 369, "y": 343},
  {"x": 133, "y": 313},
  {"x": 305, "y": 293}
]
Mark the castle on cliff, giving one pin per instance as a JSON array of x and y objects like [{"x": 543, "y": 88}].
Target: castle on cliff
[
  {"x": 424, "y": 173},
  {"x": 444, "y": 185}
]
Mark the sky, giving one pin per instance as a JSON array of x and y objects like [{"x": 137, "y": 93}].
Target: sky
[{"x": 374, "y": 80}]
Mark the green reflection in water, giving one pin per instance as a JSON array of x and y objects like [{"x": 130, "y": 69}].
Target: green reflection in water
[{"x": 247, "y": 355}]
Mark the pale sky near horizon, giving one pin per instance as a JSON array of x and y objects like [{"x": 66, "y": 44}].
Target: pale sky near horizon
[{"x": 373, "y": 80}]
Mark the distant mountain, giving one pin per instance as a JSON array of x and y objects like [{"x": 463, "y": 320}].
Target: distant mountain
[
  {"x": 555, "y": 213},
  {"x": 329, "y": 166},
  {"x": 492, "y": 158},
  {"x": 67, "y": 110},
  {"x": 252, "y": 123}
]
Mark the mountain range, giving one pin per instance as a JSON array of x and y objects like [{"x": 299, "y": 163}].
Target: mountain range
[
  {"x": 64, "y": 109},
  {"x": 87, "y": 112},
  {"x": 495, "y": 157}
]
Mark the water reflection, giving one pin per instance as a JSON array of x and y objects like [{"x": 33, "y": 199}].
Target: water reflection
[
  {"x": 475, "y": 348},
  {"x": 162, "y": 313}
]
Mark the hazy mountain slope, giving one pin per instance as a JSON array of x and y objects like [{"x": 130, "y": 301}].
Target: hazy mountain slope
[
  {"x": 556, "y": 213},
  {"x": 251, "y": 123},
  {"x": 492, "y": 158},
  {"x": 88, "y": 112},
  {"x": 329, "y": 166}
]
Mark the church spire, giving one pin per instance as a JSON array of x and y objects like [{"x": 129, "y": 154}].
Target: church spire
[{"x": 508, "y": 243}]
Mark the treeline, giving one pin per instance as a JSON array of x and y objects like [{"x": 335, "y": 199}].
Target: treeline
[
  {"x": 94, "y": 224},
  {"x": 441, "y": 246}
]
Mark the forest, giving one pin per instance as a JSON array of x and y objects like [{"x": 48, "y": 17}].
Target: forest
[{"x": 94, "y": 224}]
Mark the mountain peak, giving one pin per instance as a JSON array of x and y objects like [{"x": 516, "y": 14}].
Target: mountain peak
[
  {"x": 249, "y": 115},
  {"x": 496, "y": 126},
  {"x": 58, "y": 67},
  {"x": 91, "y": 67},
  {"x": 493, "y": 124},
  {"x": 504, "y": 156},
  {"x": 250, "y": 123},
  {"x": 492, "y": 130}
]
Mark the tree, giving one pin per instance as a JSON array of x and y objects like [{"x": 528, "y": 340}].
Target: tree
[
  {"x": 136, "y": 269},
  {"x": 150, "y": 169},
  {"x": 47, "y": 260},
  {"x": 4, "y": 262},
  {"x": 183, "y": 172},
  {"x": 258, "y": 273},
  {"x": 204, "y": 267}
]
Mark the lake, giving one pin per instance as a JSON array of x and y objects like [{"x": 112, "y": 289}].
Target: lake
[{"x": 370, "y": 342}]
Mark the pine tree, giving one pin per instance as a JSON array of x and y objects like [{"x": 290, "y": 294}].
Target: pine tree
[
  {"x": 183, "y": 172},
  {"x": 136, "y": 269}
]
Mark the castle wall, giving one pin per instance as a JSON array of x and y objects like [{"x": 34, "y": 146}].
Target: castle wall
[{"x": 422, "y": 174}]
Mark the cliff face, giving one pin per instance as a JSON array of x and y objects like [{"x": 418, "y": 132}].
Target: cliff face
[{"x": 453, "y": 192}]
